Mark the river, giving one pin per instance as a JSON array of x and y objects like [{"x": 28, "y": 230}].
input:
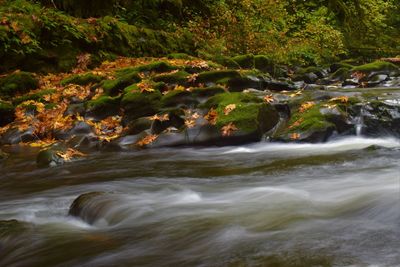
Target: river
[{"x": 264, "y": 204}]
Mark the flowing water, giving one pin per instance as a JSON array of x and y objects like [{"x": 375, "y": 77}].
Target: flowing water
[{"x": 265, "y": 204}]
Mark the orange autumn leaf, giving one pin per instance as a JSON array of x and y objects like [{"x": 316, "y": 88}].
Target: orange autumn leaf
[
  {"x": 164, "y": 117},
  {"x": 70, "y": 154},
  {"x": 343, "y": 99},
  {"x": 296, "y": 123},
  {"x": 306, "y": 106},
  {"x": 147, "y": 140},
  {"x": 269, "y": 98},
  {"x": 228, "y": 129},
  {"x": 295, "y": 136},
  {"x": 229, "y": 108},
  {"x": 211, "y": 116}
]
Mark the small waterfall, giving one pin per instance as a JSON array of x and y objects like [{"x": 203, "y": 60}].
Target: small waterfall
[{"x": 359, "y": 122}]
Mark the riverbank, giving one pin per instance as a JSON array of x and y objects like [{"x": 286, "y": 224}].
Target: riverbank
[{"x": 180, "y": 101}]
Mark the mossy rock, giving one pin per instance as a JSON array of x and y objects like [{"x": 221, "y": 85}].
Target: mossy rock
[
  {"x": 177, "y": 98},
  {"x": 114, "y": 87},
  {"x": 180, "y": 78},
  {"x": 377, "y": 66},
  {"x": 36, "y": 96},
  {"x": 341, "y": 74},
  {"x": 6, "y": 113},
  {"x": 227, "y": 62},
  {"x": 179, "y": 56},
  {"x": 244, "y": 61},
  {"x": 217, "y": 75},
  {"x": 251, "y": 115},
  {"x": 311, "y": 125},
  {"x": 336, "y": 66},
  {"x": 103, "y": 107},
  {"x": 138, "y": 104},
  {"x": 159, "y": 66},
  {"x": 18, "y": 83},
  {"x": 82, "y": 79},
  {"x": 264, "y": 64},
  {"x": 207, "y": 91}
]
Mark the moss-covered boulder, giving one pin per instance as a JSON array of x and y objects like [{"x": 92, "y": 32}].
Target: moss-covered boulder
[
  {"x": 103, "y": 107},
  {"x": 264, "y": 64},
  {"x": 159, "y": 66},
  {"x": 176, "y": 78},
  {"x": 82, "y": 79},
  {"x": 313, "y": 123},
  {"x": 217, "y": 76},
  {"x": 18, "y": 83},
  {"x": 244, "y": 61},
  {"x": 340, "y": 74},
  {"x": 179, "y": 56},
  {"x": 6, "y": 113},
  {"x": 123, "y": 79},
  {"x": 177, "y": 98},
  {"x": 378, "y": 67},
  {"x": 37, "y": 96},
  {"x": 250, "y": 115},
  {"x": 136, "y": 104}
]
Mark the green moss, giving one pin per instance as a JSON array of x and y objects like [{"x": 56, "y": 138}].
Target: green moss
[
  {"x": 18, "y": 83},
  {"x": 176, "y": 98},
  {"x": 159, "y": 66},
  {"x": 179, "y": 56},
  {"x": 245, "y": 61},
  {"x": 341, "y": 74},
  {"x": 251, "y": 114},
  {"x": 138, "y": 104},
  {"x": 264, "y": 63},
  {"x": 231, "y": 98},
  {"x": 6, "y": 113},
  {"x": 310, "y": 120},
  {"x": 124, "y": 79},
  {"x": 217, "y": 76},
  {"x": 36, "y": 96},
  {"x": 376, "y": 66},
  {"x": 103, "y": 102},
  {"x": 83, "y": 79},
  {"x": 180, "y": 77}
]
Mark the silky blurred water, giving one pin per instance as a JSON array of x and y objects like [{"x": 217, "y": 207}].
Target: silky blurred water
[{"x": 265, "y": 204}]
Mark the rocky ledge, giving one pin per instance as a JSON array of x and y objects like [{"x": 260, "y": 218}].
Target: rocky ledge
[{"x": 185, "y": 101}]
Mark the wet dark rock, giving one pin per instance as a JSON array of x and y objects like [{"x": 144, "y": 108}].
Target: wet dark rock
[
  {"x": 92, "y": 208},
  {"x": 275, "y": 85},
  {"x": 178, "y": 99},
  {"x": 51, "y": 157},
  {"x": 15, "y": 136},
  {"x": 3, "y": 155}
]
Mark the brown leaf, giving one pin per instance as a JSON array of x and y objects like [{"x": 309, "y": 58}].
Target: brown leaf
[
  {"x": 211, "y": 116},
  {"x": 147, "y": 140},
  {"x": 295, "y": 136},
  {"x": 228, "y": 129}
]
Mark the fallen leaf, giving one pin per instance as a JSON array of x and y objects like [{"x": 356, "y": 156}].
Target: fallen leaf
[
  {"x": 147, "y": 140},
  {"x": 269, "y": 98},
  {"x": 294, "y": 136},
  {"x": 306, "y": 106},
  {"x": 229, "y": 108},
  {"x": 211, "y": 116},
  {"x": 228, "y": 129}
]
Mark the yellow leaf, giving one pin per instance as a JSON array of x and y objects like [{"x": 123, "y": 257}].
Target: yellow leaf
[
  {"x": 269, "y": 99},
  {"x": 306, "y": 106},
  {"x": 147, "y": 140},
  {"x": 229, "y": 108}
]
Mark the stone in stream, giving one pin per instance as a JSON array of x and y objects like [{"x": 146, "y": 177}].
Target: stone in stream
[
  {"x": 92, "y": 208},
  {"x": 50, "y": 157},
  {"x": 12, "y": 227},
  {"x": 3, "y": 155}
]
